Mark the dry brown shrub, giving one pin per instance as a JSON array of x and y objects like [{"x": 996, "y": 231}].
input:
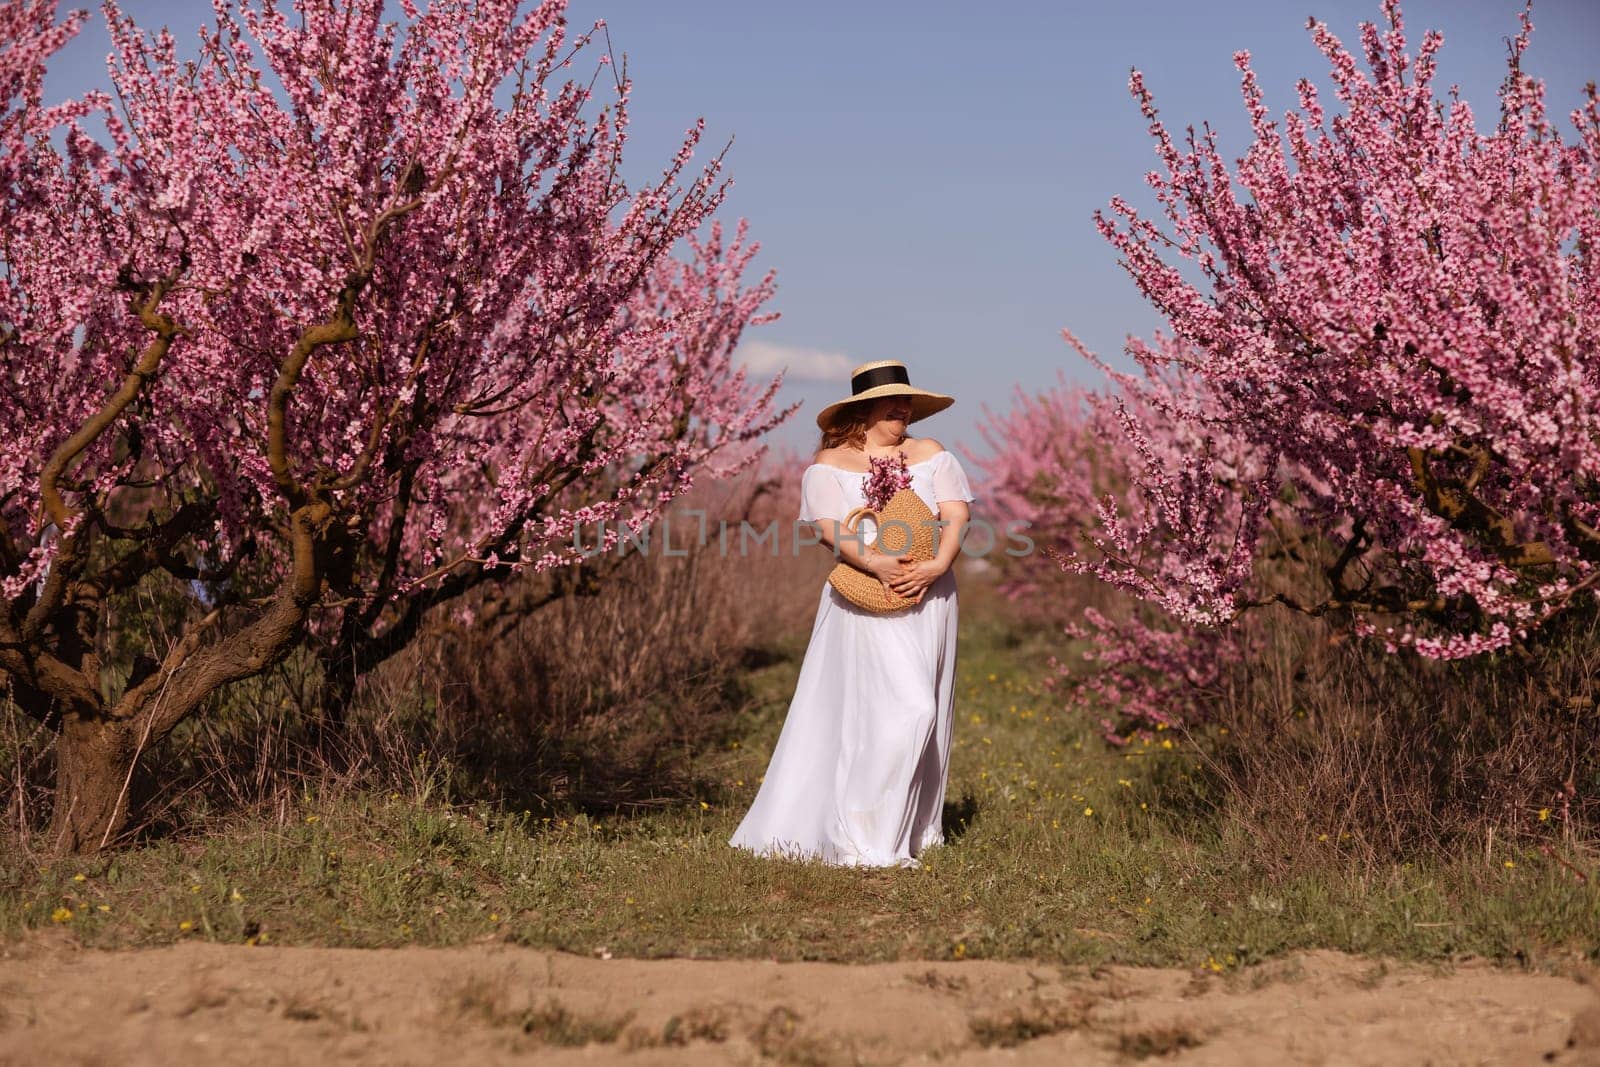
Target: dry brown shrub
[{"x": 1322, "y": 744}]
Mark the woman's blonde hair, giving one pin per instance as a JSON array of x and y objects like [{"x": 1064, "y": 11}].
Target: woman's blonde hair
[{"x": 848, "y": 426}]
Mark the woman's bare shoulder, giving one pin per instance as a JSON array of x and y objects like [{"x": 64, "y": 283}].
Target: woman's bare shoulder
[
  {"x": 922, "y": 448},
  {"x": 840, "y": 456}
]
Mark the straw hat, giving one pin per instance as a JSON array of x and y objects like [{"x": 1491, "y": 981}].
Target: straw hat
[{"x": 886, "y": 377}]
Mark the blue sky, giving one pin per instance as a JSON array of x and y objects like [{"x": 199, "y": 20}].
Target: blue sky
[{"x": 923, "y": 175}]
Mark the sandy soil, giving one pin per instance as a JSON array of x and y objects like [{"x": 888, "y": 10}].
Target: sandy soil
[{"x": 496, "y": 1003}]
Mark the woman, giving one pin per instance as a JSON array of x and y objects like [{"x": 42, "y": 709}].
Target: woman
[{"x": 858, "y": 774}]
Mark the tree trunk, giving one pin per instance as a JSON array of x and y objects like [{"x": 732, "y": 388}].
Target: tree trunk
[
  {"x": 94, "y": 764},
  {"x": 335, "y": 694}
]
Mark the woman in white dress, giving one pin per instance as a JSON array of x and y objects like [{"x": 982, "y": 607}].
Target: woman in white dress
[{"x": 858, "y": 775}]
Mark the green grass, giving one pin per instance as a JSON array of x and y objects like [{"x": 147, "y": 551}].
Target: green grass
[{"x": 1068, "y": 852}]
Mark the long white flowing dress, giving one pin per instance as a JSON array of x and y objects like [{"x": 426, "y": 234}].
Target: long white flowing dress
[{"x": 858, "y": 775}]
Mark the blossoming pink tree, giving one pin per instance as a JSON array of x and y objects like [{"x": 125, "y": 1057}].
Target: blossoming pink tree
[
  {"x": 334, "y": 323},
  {"x": 1396, "y": 311},
  {"x": 1042, "y": 469},
  {"x": 1074, "y": 464}
]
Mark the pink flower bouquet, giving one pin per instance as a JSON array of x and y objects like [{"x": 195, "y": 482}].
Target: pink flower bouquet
[{"x": 886, "y": 477}]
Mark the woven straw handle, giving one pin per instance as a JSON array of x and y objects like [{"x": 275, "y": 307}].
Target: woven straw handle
[{"x": 852, "y": 520}]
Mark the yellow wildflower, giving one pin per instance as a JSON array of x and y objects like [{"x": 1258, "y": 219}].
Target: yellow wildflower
[
  {"x": 1510, "y": 863},
  {"x": 1544, "y": 814},
  {"x": 61, "y": 915},
  {"x": 1088, "y": 811},
  {"x": 80, "y": 878},
  {"x": 186, "y": 926}
]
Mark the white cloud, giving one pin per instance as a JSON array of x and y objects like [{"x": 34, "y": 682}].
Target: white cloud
[{"x": 803, "y": 364}]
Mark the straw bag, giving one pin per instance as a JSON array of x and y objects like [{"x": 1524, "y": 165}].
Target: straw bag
[{"x": 905, "y": 529}]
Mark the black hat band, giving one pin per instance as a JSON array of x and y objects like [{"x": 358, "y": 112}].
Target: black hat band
[{"x": 871, "y": 379}]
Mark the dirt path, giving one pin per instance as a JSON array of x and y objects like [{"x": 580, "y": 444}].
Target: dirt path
[{"x": 497, "y": 1003}]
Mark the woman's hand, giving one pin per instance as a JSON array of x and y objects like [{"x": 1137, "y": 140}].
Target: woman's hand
[
  {"x": 911, "y": 578},
  {"x": 884, "y": 567}
]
